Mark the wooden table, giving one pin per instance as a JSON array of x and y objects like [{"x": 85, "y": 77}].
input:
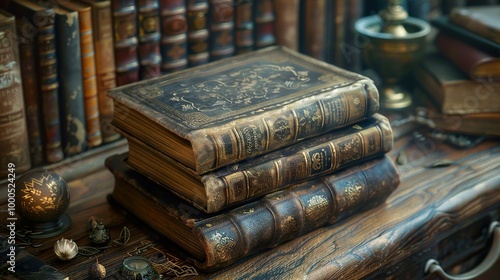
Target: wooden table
[{"x": 441, "y": 213}]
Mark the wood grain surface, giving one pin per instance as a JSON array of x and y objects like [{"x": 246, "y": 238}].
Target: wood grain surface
[{"x": 439, "y": 212}]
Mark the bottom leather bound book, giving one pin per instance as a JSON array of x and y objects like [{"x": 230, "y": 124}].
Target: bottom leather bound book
[{"x": 220, "y": 239}]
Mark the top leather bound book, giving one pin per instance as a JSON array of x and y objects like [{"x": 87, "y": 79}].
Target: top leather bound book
[{"x": 236, "y": 108}]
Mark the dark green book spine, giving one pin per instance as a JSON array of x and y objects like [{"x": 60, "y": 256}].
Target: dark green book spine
[{"x": 70, "y": 83}]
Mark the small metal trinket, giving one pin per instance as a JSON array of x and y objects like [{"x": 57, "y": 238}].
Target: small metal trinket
[
  {"x": 137, "y": 267},
  {"x": 65, "y": 249},
  {"x": 97, "y": 271},
  {"x": 98, "y": 234}
]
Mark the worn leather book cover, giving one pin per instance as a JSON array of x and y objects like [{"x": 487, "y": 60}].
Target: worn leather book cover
[
  {"x": 219, "y": 240},
  {"x": 174, "y": 27},
  {"x": 482, "y": 20},
  {"x": 69, "y": 66},
  {"x": 45, "y": 48},
  {"x": 148, "y": 33},
  {"x": 13, "y": 128},
  {"x": 221, "y": 28},
  {"x": 477, "y": 64},
  {"x": 89, "y": 79},
  {"x": 125, "y": 41},
  {"x": 240, "y": 107},
  {"x": 31, "y": 90},
  {"x": 243, "y": 25},
  {"x": 102, "y": 30},
  {"x": 248, "y": 179},
  {"x": 198, "y": 34},
  {"x": 453, "y": 91}
]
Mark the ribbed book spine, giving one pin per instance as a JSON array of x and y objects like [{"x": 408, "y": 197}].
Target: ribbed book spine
[
  {"x": 198, "y": 33},
  {"x": 148, "y": 33},
  {"x": 94, "y": 135},
  {"x": 263, "y": 17},
  {"x": 13, "y": 128},
  {"x": 243, "y": 26},
  {"x": 174, "y": 28},
  {"x": 102, "y": 24},
  {"x": 125, "y": 41},
  {"x": 46, "y": 66},
  {"x": 221, "y": 18},
  {"x": 31, "y": 91}
]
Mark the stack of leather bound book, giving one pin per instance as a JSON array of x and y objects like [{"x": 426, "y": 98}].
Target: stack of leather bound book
[{"x": 242, "y": 154}]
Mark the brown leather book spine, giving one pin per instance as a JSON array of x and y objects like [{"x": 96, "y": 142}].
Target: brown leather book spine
[
  {"x": 243, "y": 26},
  {"x": 287, "y": 214},
  {"x": 264, "y": 17},
  {"x": 125, "y": 41},
  {"x": 198, "y": 33},
  {"x": 300, "y": 166},
  {"x": 46, "y": 59},
  {"x": 173, "y": 45},
  {"x": 90, "y": 93},
  {"x": 49, "y": 91},
  {"x": 13, "y": 128},
  {"x": 232, "y": 144},
  {"x": 31, "y": 90},
  {"x": 148, "y": 33},
  {"x": 221, "y": 19},
  {"x": 338, "y": 29},
  {"x": 454, "y": 49},
  {"x": 314, "y": 28},
  {"x": 102, "y": 31},
  {"x": 287, "y": 23},
  {"x": 351, "y": 46}
]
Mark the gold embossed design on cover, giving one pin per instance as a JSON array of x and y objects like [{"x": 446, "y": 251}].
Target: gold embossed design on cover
[
  {"x": 251, "y": 83},
  {"x": 224, "y": 245},
  {"x": 353, "y": 192},
  {"x": 316, "y": 207}
]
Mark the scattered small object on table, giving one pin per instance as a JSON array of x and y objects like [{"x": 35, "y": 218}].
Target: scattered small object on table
[
  {"x": 138, "y": 267},
  {"x": 98, "y": 233},
  {"x": 97, "y": 270},
  {"x": 65, "y": 249}
]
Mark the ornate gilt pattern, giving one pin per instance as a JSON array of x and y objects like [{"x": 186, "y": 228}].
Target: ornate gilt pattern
[
  {"x": 251, "y": 83},
  {"x": 353, "y": 192},
  {"x": 41, "y": 194},
  {"x": 316, "y": 207},
  {"x": 224, "y": 245}
]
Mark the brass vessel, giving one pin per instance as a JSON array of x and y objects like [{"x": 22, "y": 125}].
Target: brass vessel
[{"x": 395, "y": 43}]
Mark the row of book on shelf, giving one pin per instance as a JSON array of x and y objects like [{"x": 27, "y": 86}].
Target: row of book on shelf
[
  {"x": 65, "y": 78},
  {"x": 250, "y": 152},
  {"x": 462, "y": 73},
  {"x": 61, "y": 109}
]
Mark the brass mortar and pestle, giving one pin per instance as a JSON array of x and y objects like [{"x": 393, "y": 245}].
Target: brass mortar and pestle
[{"x": 395, "y": 44}]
